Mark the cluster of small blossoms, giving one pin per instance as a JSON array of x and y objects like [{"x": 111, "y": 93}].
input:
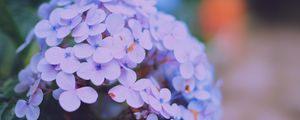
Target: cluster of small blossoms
[{"x": 162, "y": 71}]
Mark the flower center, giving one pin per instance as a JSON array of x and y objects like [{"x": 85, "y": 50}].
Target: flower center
[{"x": 98, "y": 67}]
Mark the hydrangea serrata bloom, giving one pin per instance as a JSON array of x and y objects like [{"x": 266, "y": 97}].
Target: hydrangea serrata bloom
[{"x": 160, "y": 70}]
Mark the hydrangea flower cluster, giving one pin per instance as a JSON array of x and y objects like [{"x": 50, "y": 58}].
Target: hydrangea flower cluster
[{"x": 161, "y": 70}]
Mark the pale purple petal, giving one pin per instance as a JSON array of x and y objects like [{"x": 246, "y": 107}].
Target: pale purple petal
[
  {"x": 118, "y": 93},
  {"x": 95, "y": 16},
  {"x": 97, "y": 29},
  {"x": 70, "y": 66},
  {"x": 102, "y": 55},
  {"x": 165, "y": 94},
  {"x": 155, "y": 104},
  {"x": 43, "y": 29},
  {"x": 118, "y": 51},
  {"x": 145, "y": 96},
  {"x": 128, "y": 77},
  {"x": 65, "y": 81},
  {"x": 37, "y": 98},
  {"x": 169, "y": 42},
  {"x": 178, "y": 83},
  {"x": 52, "y": 40},
  {"x": 141, "y": 84},
  {"x": 54, "y": 55},
  {"x": 87, "y": 95},
  {"x": 133, "y": 99},
  {"x": 146, "y": 40},
  {"x": 180, "y": 55},
  {"x": 69, "y": 101},
  {"x": 85, "y": 70},
  {"x": 81, "y": 30},
  {"x": 21, "y": 87},
  {"x": 56, "y": 93},
  {"x": 68, "y": 13},
  {"x": 112, "y": 70},
  {"x": 202, "y": 95},
  {"x": 21, "y": 108},
  {"x": 33, "y": 112},
  {"x": 152, "y": 117},
  {"x": 83, "y": 50},
  {"x": 137, "y": 54},
  {"x": 115, "y": 23},
  {"x": 81, "y": 38},
  {"x": 135, "y": 27},
  {"x": 97, "y": 77},
  {"x": 63, "y": 32},
  {"x": 187, "y": 70},
  {"x": 200, "y": 72},
  {"x": 55, "y": 17}
]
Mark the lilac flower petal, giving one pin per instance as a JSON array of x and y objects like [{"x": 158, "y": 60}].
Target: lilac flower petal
[
  {"x": 134, "y": 99},
  {"x": 128, "y": 77},
  {"x": 81, "y": 39},
  {"x": 200, "y": 72},
  {"x": 154, "y": 91},
  {"x": 49, "y": 75},
  {"x": 145, "y": 40},
  {"x": 43, "y": 29},
  {"x": 178, "y": 83},
  {"x": 52, "y": 40},
  {"x": 165, "y": 94},
  {"x": 202, "y": 95},
  {"x": 54, "y": 55},
  {"x": 95, "y": 16},
  {"x": 115, "y": 23},
  {"x": 154, "y": 103},
  {"x": 81, "y": 30},
  {"x": 68, "y": 13},
  {"x": 63, "y": 32},
  {"x": 187, "y": 70},
  {"x": 92, "y": 40},
  {"x": 56, "y": 93},
  {"x": 180, "y": 55},
  {"x": 37, "y": 98},
  {"x": 85, "y": 70},
  {"x": 33, "y": 88},
  {"x": 69, "y": 101},
  {"x": 55, "y": 17},
  {"x": 65, "y": 81},
  {"x": 137, "y": 54},
  {"x": 70, "y": 66},
  {"x": 112, "y": 70},
  {"x": 97, "y": 78},
  {"x": 33, "y": 113},
  {"x": 169, "y": 42},
  {"x": 145, "y": 96},
  {"x": 83, "y": 50},
  {"x": 141, "y": 84},
  {"x": 44, "y": 10},
  {"x": 102, "y": 55},
  {"x": 21, "y": 87},
  {"x": 118, "y": 51},
  {"x": 120, "y": 9},
  {"x": 21, "y": 108},
  {"x": 135, "y": 27},
  {"x": 118, "y": 93},
  {"x": 87, "y": 95},
  {"x": 97, "y": 29},
  {"x": 152, "y": 117},
  {"x": 35, "y": 61}
]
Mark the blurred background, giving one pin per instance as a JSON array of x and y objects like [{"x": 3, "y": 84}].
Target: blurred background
[{"x": 254, "y": 45}]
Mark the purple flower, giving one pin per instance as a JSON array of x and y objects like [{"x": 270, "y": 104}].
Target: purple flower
[
  {"x": 71, "y": 98},
  {"x": 97, "y": 72},
  {"x": 48, "y": 71},
  {"x": 30, "y": 108},
  {"x": 115, "y": 23},
  {"x": 49, "y": 29},
  {"x": 64, "y": 58},
  {"x": 129, "y": 92}
]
